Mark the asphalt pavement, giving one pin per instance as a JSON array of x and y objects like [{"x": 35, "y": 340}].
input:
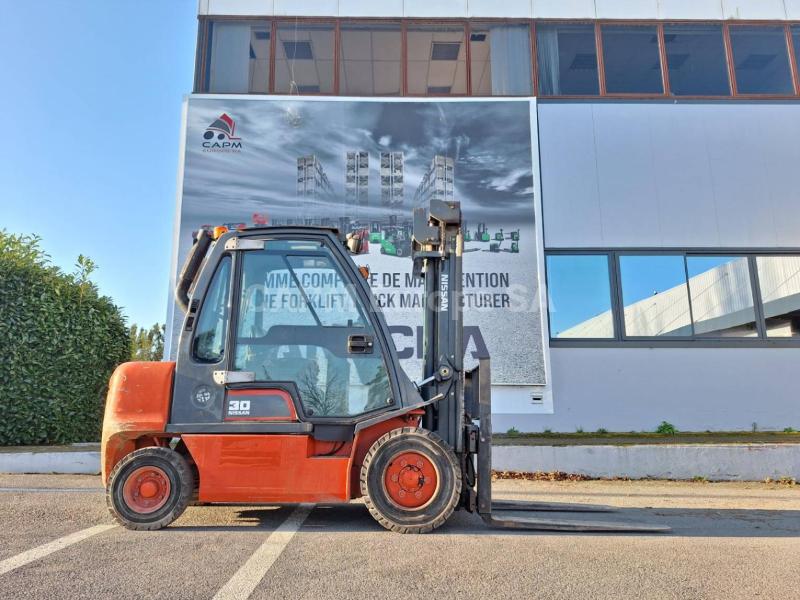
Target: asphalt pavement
[{"x": 728, "y": 540}]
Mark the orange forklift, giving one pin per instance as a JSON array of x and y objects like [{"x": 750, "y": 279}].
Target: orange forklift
[{"x": 287, "y": 388}]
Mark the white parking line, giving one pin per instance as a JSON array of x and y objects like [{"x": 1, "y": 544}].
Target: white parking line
[
  {"x": 33, "y": 554},
  {"x": 245, "y": 580}
]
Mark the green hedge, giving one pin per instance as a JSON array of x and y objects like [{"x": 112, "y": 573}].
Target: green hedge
[{"x": 60, "y": 340}]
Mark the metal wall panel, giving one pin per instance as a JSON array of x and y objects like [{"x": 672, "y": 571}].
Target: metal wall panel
[
  {"x": 634, "y": 389},
  {"x": 657, "y": 174}
]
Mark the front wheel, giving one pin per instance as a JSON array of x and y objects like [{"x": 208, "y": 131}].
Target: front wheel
[
  {"x": 149, "y": 488},
  {"x": 410, "y": 480}
]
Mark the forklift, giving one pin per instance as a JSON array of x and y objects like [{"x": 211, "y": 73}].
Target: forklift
[
  {"x": 287, "y": 388},
  {"x": 481, "y": 233}
]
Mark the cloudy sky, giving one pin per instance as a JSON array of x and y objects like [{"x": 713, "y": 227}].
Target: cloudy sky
[{"x": 489, "y": 141}]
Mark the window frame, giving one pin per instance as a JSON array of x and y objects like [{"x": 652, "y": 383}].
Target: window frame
[
  {"x": 366, "y": 22},
  {"x": 786, "y": 26},
  {"x": 601, "y": 64},
  {"x": 205, "y": 26},
  {"x": 611, "y": 292},
  {"x": 727, "y": 56},
  {"x": 598, "y": 58},
  {"x": 621, "y": 339},
  {"x": 465, "y": 23},
  {"x": 301, "y": 22}
]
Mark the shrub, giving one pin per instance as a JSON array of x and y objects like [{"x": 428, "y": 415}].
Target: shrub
[
  {"x": 512, "y": 431},
  {"x": 147, "y": 344},
  {"x": 666, "y": 428},
  {"x": 59, "y": 342}
]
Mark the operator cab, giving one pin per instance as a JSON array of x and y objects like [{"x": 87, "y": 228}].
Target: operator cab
[{"x": 281, "y": 336}]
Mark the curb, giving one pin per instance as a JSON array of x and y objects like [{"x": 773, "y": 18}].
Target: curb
[
  {"x": 72, "y": 462},
  {"x": 716, "y": 462}
]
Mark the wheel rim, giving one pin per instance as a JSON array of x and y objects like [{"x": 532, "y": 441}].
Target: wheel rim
[
  {"x": 411, "y": 480},
  {"x": 146, "y": 489}
]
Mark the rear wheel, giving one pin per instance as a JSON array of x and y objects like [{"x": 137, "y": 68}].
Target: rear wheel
[
  {"x": 149, "y": 488},
  {"x": 410, "y": 480}
]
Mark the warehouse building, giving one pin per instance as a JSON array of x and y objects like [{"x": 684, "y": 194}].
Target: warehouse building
[{"x": 665, "y": 168}]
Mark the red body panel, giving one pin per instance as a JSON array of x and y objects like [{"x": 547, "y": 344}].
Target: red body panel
[
  {"x": 248, "y": 468},
  {"x": 137, "y": 405},
  {"x": 266, "y": 468}
]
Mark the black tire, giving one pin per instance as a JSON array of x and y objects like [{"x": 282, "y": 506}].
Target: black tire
[
  {"x": 181, "y": 488},
  {"x": 444, "y": 500}
]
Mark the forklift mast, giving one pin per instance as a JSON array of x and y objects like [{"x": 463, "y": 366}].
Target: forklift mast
[{"x": 437, "y": 250}]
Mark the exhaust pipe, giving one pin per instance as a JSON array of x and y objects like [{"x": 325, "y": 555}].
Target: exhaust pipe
[{"x": 190, "y": 268}]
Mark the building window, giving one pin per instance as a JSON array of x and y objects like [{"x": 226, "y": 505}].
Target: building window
[
  {"x": 632, "y": 60},
  {"x": 500, "y": 60},
  {"x": 370, "y": 60},
  {"x": 761, "y": 60},
  {"x": 779, "y": 284},
  {"x": 721, "y": 296},
  {"x": 579, "y": 293},
  {"x": 655, "y": 297},
  {"x": 437, "y": 60},
  {"x": 567, "y": 59},
  {"x": 304, "y": 59},
  {"x": 238, "y": 60},
  {"x": 696, "y": 60},
  {"x": 796, "y": 45}
]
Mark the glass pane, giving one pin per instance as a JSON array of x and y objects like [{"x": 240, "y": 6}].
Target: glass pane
[
  {"x": 655, "y": 296},
  {"x": 567, "y": 58},
  {"x": 696, "y": 60},
  {"x": 209, "y": 336},
  {"x": 631, "y": 58},
  {"x": 304, "y": 59},
  {"x": 330, "y": 298},
  {"x": 296, "y": 314},
  {"x": 437, "y": 60},
  {"x": 500, "y": 60},
  {"x": 579, "y": 296},
  {"x": 779, "y": 282},
  {"x": 370, "y": 62},
  {"x": 239, "y": 57},
  {"x": 721, "y": 296},
  {"x": 761, "y": 60}
]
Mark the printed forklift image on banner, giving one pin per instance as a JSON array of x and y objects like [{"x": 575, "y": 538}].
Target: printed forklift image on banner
[{"x": 363, "y": 166}]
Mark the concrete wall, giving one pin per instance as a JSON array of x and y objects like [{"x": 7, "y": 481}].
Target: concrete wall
[
  {"x": 523, "y": 9},
  {"x": 634, "y": 389},
  {"x": 716, "y": 462}
]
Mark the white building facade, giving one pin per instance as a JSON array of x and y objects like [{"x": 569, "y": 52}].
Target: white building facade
[{"x": 665, "y": 142}]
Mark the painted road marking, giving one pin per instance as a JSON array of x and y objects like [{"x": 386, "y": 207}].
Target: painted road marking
[
  {"x": 250, "y": 574},
  {"x": 94, "y": 490},
  {"x": 33, "y": 554}
]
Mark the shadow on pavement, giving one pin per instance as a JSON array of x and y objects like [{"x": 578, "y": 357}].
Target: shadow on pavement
[{"x": 685, "y": 522}]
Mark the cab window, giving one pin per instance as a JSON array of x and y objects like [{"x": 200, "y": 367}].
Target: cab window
[
  {"x": 300, "y": 321},
  {"x": 209, "y": 337}
]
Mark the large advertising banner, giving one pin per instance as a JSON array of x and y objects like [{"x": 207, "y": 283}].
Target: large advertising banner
[{"x": 362, "y": 166}]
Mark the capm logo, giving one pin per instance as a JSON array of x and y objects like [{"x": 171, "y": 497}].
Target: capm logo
[{"x": 220, "y": 136}]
